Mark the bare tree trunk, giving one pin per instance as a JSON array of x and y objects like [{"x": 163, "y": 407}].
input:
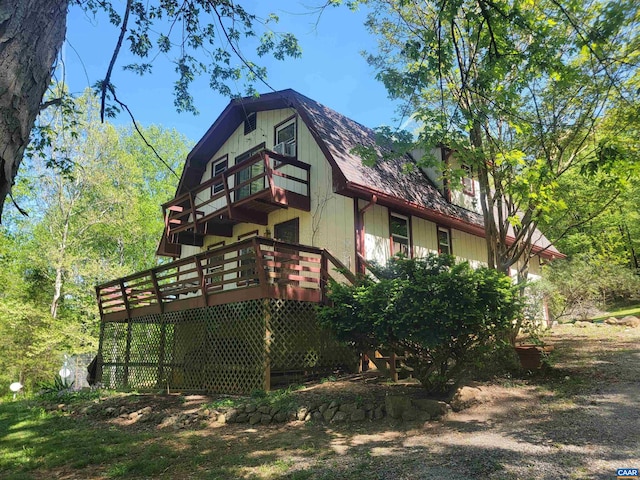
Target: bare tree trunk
[
  {"x": 31, "y": 34},
  {"x": 59, "y": 281}
]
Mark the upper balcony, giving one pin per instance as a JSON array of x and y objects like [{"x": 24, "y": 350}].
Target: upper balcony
[{"x": 246, "y": 192}]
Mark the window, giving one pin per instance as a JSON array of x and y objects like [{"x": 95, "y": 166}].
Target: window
[
  {"x": 468, "y": 185},
  {"x": 287, "y": 257},
  {"x": 400, "y": 236},
  {"x": 247, "y": 272},
  {"x": 215, "y": 266},
  {"x": 285, "y": 138},
  {"x": 444, "y": 241},
  {"x": 253, "y": 170},
  {"x": 218, "y": 166},
  {"x": 250, "y": 123},
  {"x": 249, "y": 153},
  {"x": 287, "y": 231}
]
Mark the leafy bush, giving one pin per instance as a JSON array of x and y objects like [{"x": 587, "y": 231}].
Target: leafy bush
[
  {"x": 584, "y": 285},
  {"x": 439, "y": 313}
]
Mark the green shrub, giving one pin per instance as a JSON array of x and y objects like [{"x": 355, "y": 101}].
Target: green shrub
[{"x": 439, "y": 313}]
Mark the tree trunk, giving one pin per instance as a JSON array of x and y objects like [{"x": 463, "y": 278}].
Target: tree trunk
[{"x": 31, "y": 34}]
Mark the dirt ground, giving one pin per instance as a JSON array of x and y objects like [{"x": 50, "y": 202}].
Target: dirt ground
[{"x": 580, "y": 420}]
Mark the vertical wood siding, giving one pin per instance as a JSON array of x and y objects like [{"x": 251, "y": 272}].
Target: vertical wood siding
[{"x": 329, "y": 224}]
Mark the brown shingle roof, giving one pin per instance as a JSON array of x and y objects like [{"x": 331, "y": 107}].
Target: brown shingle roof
[{"x": 337, "y": 136}]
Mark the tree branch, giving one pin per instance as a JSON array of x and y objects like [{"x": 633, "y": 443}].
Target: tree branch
[
  {"x": 135, "y": 125},
  {"x": 107, "y": 79}
]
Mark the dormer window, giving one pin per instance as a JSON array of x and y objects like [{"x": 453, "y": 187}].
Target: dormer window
[
  {"x": 250, "y": 123},
  {"x": 468, "y": 187},
  {"x": 285, "y": 138}
]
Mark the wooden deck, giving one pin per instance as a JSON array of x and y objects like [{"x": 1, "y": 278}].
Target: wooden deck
[
  {"x": 254, "y": 268},
  {"x": 246, "y": 192}
]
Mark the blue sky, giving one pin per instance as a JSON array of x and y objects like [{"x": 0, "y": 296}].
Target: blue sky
[{"x": 331, "y": 69}]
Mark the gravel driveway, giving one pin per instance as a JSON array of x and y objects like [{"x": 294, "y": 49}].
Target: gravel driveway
[{"x": 580, "y": 421}]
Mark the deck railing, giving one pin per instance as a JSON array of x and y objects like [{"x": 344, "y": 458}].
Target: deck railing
[
  {"x": 254, "y": 268},
  {"x": 279, "y": 178}
]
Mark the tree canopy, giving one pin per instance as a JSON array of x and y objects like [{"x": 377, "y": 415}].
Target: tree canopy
[
  {"x": 521, "y": 91},
  {"x": 94, "y": 222},
  {"x": 203, "y": 37}
]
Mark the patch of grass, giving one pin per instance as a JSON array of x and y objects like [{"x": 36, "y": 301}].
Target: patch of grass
[{"x": 619, "y": 313}]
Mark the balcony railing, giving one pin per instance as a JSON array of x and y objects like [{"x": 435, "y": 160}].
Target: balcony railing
[
  {"x": 254, "y": 268},
  {"x": 246, "y": 192}
]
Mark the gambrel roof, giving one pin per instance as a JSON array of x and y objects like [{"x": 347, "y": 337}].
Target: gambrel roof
[{"x": 336, "y": 135}]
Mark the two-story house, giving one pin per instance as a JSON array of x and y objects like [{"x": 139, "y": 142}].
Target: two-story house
[{"x": 273, "y": 201}]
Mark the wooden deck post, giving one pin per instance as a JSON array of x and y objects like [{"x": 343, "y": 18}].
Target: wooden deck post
[
  {"x": 127, "y": 350},
  {"x": 392, "y": 366},
  {"x": 267, "y": 344}
]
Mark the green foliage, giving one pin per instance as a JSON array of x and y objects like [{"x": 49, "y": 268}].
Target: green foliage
[
  {"x": 440, "y": 312},
  {"x": 523, "y": 92},
  {"x": 202, "y": 38},
  {"x": 586, "y": 284},
  {"x": 97, "y": 221}
]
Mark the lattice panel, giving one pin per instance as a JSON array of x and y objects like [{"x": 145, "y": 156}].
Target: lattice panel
[
  {"x": 219, "y": 349},
  {"x": 299, "y": 344}
]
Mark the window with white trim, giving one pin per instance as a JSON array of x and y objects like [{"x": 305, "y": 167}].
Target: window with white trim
[
  {"x": 444, "y": 241},
  {"x": 218, "y": 166},
  {"x": 215, "y": 267},
  {"x": 285, "y": 139},
  {"x": 400, "y": 235}
]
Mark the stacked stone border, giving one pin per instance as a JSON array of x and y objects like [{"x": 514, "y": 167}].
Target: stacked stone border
[{"x": 397, "y": 407}]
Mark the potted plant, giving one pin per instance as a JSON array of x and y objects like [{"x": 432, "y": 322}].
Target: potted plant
[{"x": 532, "y": 351}]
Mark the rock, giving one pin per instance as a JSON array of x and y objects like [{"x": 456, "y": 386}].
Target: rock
[
  {"x": 170, "y": 421},
  {"x": 302, "y": 413},
  {"x": 432, "y": 408},
  {"x": 611, "y": 321},
  {"x": 231, "y": 415},
  {"x": 250, "y": 408},
  {"x": 110, "y": 411},
  {"x": 222, "y": 418},
  {"x": 264, "y": 409},
  {"x": 280, "y": 417},
  {"x": 323, "y": 407},
  {"x": 242, "y": 418},
  {"x": 274, "y": 410},
  {"x": 581, "y": 324},
  {"x": 348, "y": 408},
  {"x": 265, "y": 419},
  {"x": 334, "y": 404},
  {"x": 339, "y": 417},
  {"x": 358, "y": 415},
  {"x": 410, "y": 413},
  {"x": 255, "y": 418},
  {"x": 145, "y": 411},
  {"x": 630, "y": 321},
  {"x": 379, "y": 412},
  {"x": 467, "y": 396},
  {"x": 329, "y": 413},
  {"x": 133, "y": 416},
  {"x": 396, "y": 405},
  {"x": 368, "y": 407},
  {"x": 317, "y": 416}
]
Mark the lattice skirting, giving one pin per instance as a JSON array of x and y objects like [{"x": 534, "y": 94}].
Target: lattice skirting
[{"x": 231, "y": 348}]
